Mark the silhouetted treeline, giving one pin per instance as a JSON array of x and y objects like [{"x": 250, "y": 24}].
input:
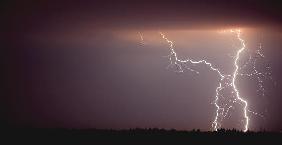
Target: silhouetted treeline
[{"x": 151, "y": 136}]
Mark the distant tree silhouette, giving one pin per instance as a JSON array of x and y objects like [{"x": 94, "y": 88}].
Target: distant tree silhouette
[{"x": 137, "y": 136}]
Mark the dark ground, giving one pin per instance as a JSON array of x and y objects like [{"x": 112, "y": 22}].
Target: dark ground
[{"x": 134, "y": 137}]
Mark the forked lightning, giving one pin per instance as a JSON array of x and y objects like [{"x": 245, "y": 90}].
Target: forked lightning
[{"x": 226, "y": 80}]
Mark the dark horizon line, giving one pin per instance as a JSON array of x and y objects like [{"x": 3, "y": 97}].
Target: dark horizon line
[{"x": 140, "y": 129}]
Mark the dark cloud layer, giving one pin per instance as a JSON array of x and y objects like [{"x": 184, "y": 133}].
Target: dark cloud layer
[{"x": 142, "y": 13}]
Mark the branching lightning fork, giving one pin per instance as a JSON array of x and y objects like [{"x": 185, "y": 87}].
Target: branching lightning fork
[
  {"x": 223, "y": 102},
  {"x": 225, "y": 80}
]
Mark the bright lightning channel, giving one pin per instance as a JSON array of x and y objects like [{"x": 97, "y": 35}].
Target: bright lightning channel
[
  {"x": 225, "y": 80},
  {"x": 238, "y": 32}
]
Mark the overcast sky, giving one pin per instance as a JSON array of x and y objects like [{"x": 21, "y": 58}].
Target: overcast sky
[{"x": 81, "y": 64}]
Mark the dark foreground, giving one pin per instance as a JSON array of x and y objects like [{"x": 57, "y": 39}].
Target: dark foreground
[{"x": 135, "y": 137}]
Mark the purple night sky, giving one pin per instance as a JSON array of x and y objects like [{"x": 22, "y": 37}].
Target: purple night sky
[{"x": 80, "y": 64}]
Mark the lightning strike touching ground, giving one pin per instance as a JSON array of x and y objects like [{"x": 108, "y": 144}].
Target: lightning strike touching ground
[
  {"x": 238, "y": 33},
  {"x": 226, "y": 81},
  {"x": 179, "y": 63}
]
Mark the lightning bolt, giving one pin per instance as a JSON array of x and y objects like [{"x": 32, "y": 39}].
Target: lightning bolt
[
  {"x": 174, "y": 60},
  {"x": 259, "y": 76},
  {"x": 238, "y": 33},
  {"x": 225, "y": 80},
  {"x": 252, "y": 61}
]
